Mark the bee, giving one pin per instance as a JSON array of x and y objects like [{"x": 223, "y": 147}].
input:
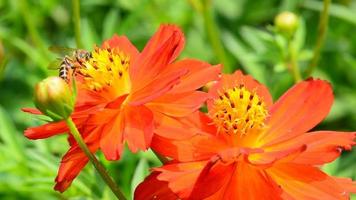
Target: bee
[{"x": 69, "y": 61}]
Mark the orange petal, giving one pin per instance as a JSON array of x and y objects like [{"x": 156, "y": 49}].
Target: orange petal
[
  {"x": 163, "y": 34},
  {"x": 247, "y": 182},
  {"x": 347, "y": 184},
  {"x": 297, "y": 111},
  {"x": 178, "y": 105},
  {"x": 160, "y": 85},
  {"x": 152, "y": 188},
  {"x": 71, "y": 165},
  {"x": 268, "y": 157},
  {"x": 199, "y": 74},
  {"x": 229, "y": 81},
  {"x": 213, "y": 176},
  {"x": 123, "y": 44},
  {"x": 172, "y": 128},
  {"x": 111, "y": 141},
  {"x": 186, "y": 139},
  {"x": 160, "y": 51},
  {"x": 91, "y": 137},
  {"x": 181, "y": 177},
  {"x": 322, "y": 146},
  {"x": 138, "y": 127},
  {"x": 306, "y": 182},
  {"x": 69, "y": 171},
  {"x": 32, "y": 111},
  {"x": 198, "y": 147},
  {"x": 46, "y": 130},
  {"x": 183, "y": 128}
]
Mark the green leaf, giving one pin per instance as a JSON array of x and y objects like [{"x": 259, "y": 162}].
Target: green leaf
[
  {"x": 339, "y": 11},
  {"x": 89, "y": 35},
  {"x": 248, "y": 60},
  {"x": 300, "y": 35},
  {"x": 140, "y": 173},
  {"x": 9, "y": 135},
  {"x": 111, "y": 22}
]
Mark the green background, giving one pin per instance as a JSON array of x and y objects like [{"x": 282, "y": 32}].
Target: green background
[{"x": 244, "y": 30}]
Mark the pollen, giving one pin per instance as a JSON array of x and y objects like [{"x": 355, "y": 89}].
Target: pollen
[
  {"x": 238, "y": 111},
  {"x": 107, "y": 67}
]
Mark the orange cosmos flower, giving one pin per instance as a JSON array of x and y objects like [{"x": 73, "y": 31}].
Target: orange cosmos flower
[
  {"x": 250, "y": 148},
  {"x": 119, "y": 92}
]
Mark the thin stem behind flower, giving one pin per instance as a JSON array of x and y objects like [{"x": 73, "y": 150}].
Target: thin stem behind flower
[
  {"x": 98, "y": 166},
  {"x": 323, "y": 25},
  {"x": 31, "y": 27},
  {"x": 293, "y": 62},
  {"x": 76, "y": 21},
  {"x": 214, "y": 35}
]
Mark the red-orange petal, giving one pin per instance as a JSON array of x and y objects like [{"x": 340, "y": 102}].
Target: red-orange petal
[
  {"x": 347, "y": 184},
  {"x": 163, "y": 47},
  {"x": 269, "y": 157},
  {"x": 213, "y": 172},
  {"x": 198, "y": 147},
  {"x": 199, "y": 74},
  {"x": 247, "y": 182},
  {"x": 157, "y": 87},
  {"x": 306, "y": 182},
  {"x": 229, "y": 81},
  {"x": 46, "y": 130},
  {"x": 187, "y": 139},
  {"x": 297, "y": 111},
  {"x": 123, "y": 45},
  {"x": 183, "y": 128},
  {"x": 32, "y": 111},
  {"x": 71, "y": 165},
  {"x": 178, "y": 105},
  {"x": 111, "y": 140},
  {"x": 152, "y": 188},
  {"x": 181, "y": 177},
  {"x": 70, "y": 170},
  {"x": 322, "y": 146},
  {"x": 164, "y": 33},
  {"x": 138, "y": 127}
]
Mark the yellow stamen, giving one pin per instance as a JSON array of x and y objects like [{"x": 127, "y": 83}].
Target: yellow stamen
[
  {"x": 107, "y": 67},
  {"x": 238, "y": 111}
]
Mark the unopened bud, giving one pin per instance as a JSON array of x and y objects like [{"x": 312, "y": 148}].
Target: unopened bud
[
  {"x": 286, "y": 23},
  {"x": 53, "y": 97}
]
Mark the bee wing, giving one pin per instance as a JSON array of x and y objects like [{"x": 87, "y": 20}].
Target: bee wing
[
  {"x": 55, "y": 64},
  {"x": 61, "y": 50}
]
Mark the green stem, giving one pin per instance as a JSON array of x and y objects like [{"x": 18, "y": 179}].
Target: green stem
[
  {"x": 323, "y": 25},
  {"x": 214, "y": 35},
  {"x": 293, "y": 62},
  {"x": 98, "y": 166},
  {"x": 76, "y": 21},
  {"x": 32, "y": 30}
]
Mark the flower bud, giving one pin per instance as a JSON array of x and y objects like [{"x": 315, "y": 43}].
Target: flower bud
[
  {"x": 53, "y": 97},
  {"x": 286, "y": 23}
]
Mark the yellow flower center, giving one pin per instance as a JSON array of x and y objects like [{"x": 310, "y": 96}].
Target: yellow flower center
[
  {"x": 238, "y": 111},
  {"x": 107, "y": 67}
]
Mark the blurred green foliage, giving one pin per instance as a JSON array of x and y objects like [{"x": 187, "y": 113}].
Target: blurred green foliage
[{"x": 243, "y": 29}]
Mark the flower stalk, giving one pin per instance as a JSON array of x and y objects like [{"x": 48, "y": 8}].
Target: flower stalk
[
  {"x": 214, "y": 35},
  {"x": 293, "y": 62},
  {"x": 76, "y": 21},
  {"x": 98, "y": 166},
  {"x": 323, "y": 26}
]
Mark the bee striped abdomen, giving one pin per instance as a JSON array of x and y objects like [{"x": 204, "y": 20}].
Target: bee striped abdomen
[{"x": 63, "y": 71}]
